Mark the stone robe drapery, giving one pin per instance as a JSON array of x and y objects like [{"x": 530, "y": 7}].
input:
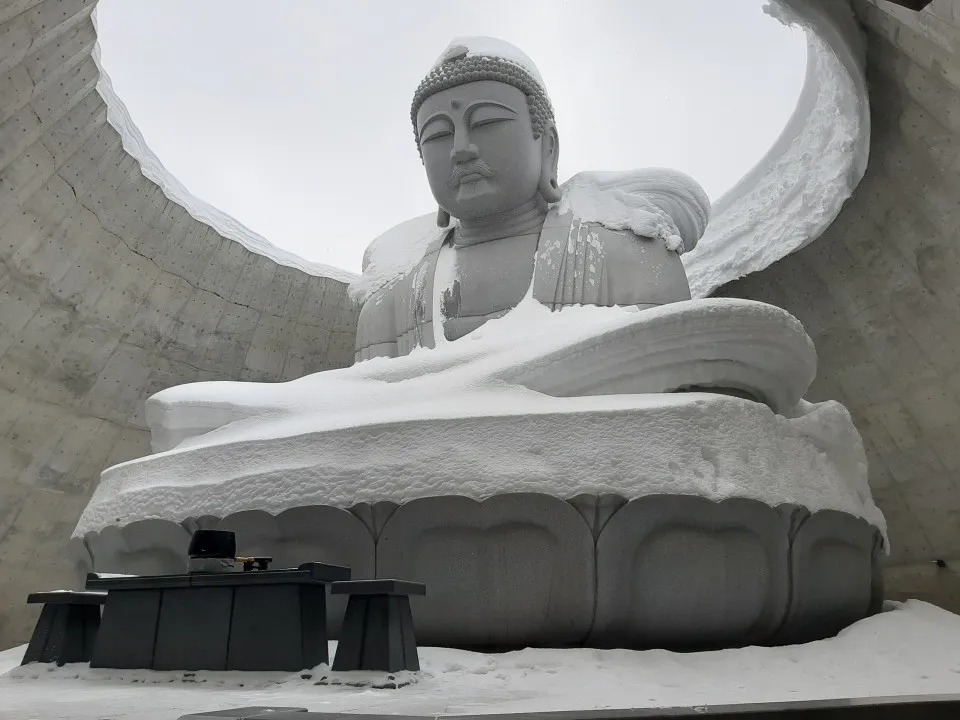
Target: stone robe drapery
[{"x": 570, "y": 263}]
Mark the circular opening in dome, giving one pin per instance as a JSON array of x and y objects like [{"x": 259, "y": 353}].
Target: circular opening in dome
[{"x": 296, "y": 122}]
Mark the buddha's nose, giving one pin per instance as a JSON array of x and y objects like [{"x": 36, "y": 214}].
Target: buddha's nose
[{"x": 464, "y": 152}]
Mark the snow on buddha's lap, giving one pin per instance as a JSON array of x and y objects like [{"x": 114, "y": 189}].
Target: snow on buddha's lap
[{"x": 425, "y": 424}]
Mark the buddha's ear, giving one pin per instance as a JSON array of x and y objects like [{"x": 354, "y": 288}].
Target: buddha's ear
[{"x": 549, "y": 160}]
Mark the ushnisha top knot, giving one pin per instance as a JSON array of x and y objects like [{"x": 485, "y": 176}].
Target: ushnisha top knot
[{"x": 477, "y": 58}]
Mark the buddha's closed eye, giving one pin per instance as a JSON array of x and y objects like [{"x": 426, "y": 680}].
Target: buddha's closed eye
[
  {"x": 489, "y": 121},
  {"x": 482, "y": 114},
  {"x": 437, "y": 135},
  {"x": 435, "y": 130}
]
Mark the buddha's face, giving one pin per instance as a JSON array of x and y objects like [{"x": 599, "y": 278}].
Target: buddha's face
[{"x": 478, "y": 149}]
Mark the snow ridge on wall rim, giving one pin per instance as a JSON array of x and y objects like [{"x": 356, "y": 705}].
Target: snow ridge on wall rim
[
  {"x": 152, "y": 168},
  {"x": 797, "y": 189}
]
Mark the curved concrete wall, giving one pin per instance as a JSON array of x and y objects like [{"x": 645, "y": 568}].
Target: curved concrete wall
[
  {"x": 109, "y": 292},
  {"x": 880, "y": 293}
]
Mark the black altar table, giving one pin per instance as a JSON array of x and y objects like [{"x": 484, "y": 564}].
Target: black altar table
[{"x": 261, "y": 620}]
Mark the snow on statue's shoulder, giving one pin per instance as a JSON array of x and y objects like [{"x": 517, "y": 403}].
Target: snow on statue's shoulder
[
  {"x": 394, "y": 253},
  {"x": 652, "y": 202}
]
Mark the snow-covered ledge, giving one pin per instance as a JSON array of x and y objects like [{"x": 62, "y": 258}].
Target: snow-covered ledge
[
  {"x": 796, "y": 191},
  {"x": 119, "y": 118}
]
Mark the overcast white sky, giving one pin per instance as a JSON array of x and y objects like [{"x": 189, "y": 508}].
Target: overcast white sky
[{"x": 293, "y": 115}]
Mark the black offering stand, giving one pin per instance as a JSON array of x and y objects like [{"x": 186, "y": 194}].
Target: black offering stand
[
  {"x": 377, "y": 631},
  {"x": 216, "y": 617}
]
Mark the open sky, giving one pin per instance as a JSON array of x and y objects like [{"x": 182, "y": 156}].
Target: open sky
[{"x": 293, "y": 115}]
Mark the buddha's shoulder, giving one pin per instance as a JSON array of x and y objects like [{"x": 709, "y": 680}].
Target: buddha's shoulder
[
  {"x": 562, "y": 228},
  {"x": 398, "y": 254},
  {"x": 619, "y": 206},
  {"x": 619, "y": 250},
  {"x": 402, "y": 245}
]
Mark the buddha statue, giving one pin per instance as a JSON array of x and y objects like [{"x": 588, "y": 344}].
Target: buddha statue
[
  {"x": 542, "y": 425},
  {"x": 485, "y": 130}
]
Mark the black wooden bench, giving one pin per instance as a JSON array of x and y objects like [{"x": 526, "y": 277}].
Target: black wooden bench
[
  {"x": 377, "y": 632},
  {"x": 67, "y": 627}
]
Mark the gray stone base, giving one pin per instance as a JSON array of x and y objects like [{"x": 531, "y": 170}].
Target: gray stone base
[{"x": 515, "y": 570}]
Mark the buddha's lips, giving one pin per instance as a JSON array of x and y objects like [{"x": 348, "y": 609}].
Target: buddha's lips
[{"x": 460, "y": 172}]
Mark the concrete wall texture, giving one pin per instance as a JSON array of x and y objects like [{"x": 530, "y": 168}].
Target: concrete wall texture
[
  {"x": 879, "y": 293},
  {"x": 109, "y": 292}
]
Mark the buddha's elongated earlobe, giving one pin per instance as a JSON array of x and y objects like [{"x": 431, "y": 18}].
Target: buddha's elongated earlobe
[
  {"x": 549, "y": 188},
  {"x": 443, "y": 218}
]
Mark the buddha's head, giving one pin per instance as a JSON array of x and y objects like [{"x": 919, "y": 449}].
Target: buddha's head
[{"x": 485, "y": 130}]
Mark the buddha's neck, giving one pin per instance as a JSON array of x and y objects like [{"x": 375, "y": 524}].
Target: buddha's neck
[{"x": 522, "y": 220}]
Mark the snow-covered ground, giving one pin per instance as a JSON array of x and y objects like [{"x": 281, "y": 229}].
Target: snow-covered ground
[{"x": 912, "y": 649}]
